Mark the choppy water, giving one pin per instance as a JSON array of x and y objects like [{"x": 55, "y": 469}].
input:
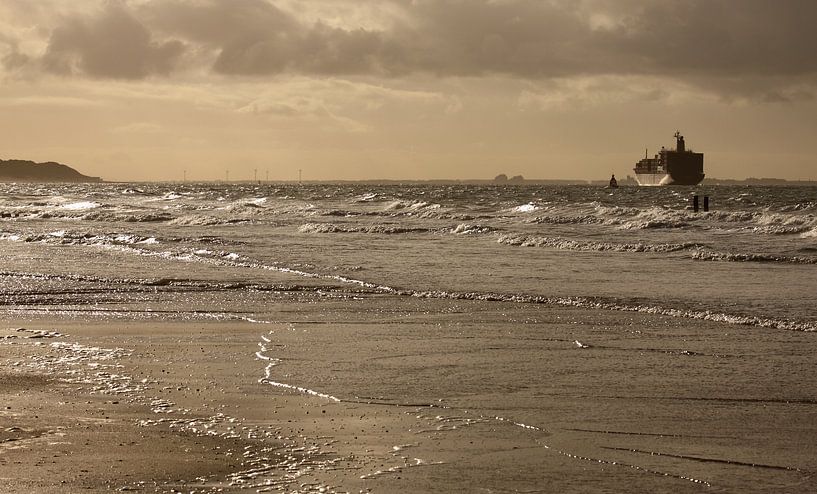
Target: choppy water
[{"x": 751, "y": 260}]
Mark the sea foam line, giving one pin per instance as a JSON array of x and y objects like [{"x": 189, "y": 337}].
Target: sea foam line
[
  {"x": 588, "y": 303},
  {"x": 579, "y": 302},
  {"x": 235, "y": 260},
  {"x": 698, "y": 251}
]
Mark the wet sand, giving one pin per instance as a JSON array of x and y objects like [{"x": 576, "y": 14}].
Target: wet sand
[{"x": 407, "y": 395}]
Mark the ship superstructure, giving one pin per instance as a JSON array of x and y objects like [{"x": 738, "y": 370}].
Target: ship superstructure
[{"x": 678, "y": 166}]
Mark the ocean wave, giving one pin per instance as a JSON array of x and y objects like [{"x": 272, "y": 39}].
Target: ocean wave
[
  {"x": 170, "y": 196},
  {"x": 88, "y": 213},
  {"x": 647, "y": 224},
  {"x": 602, "y": 304},
  {"x": 132, "y": 191},
  {"x": 613, "y": 211},
  {"x": 342, "y": 213},
  {"x": 376, "y": 229},
  {"x": 297, "y": 209},
  {"x": 655, "y": 218},
  {"x": 801, "y": 206},
  {"x": 812, "y": 233},
  {"x": 622, "y": 217},
  {"x": 127, "y": 217},
  {"x": 81, "y": 205},
  {"x": 468, "y": 229},
  {"x": 589, "y": 246},
  {"x": 366, "y": 197},
  {"x": 707, "y": 255},
  {"x": 525, "y": 208},
  {"x": 248, "y": 206},
  {"x": 765, "y": 222},
  {"x": 784, "y": 224},
  {"x": 72, "y": 238},
  {"x": 205, "y": 220},
  {"x": 565, "y": 220},
  {"x": 411, "y": 205},
  {"x": 732, "y": 216},
  {"x": 419, "y": 209},
  {"x": 697, "y": 251}
]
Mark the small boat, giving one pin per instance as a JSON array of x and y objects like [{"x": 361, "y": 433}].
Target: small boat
[{"x": 613, "y": 182}]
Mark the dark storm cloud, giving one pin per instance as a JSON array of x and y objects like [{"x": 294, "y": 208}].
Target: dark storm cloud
[
  {"x": 725, "y": 37},
  {"x": 254, "y": 37},
  {"x": 113, "y": 44},
  {"x": 706, "y": 42}
]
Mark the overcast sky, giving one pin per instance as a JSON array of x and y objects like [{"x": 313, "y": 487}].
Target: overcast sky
[{"x": 422, "y": 89}]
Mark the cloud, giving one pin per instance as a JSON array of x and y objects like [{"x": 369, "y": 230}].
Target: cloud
[
  {"x": 341, "y": 103},
  {"x": 709, "y": 43},
  {"x": 256, "y": 38},
  {"x": 49, "y": 101},
  {"x": 584, "y": 92},
  {"x": 114, "y": 45}
]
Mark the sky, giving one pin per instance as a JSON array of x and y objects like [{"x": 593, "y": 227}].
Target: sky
[{"x": 134, "y": 90}]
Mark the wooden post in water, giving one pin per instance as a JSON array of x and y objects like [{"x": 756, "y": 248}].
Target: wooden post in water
[
  {"x": 695, "y": 203},
  {"x": 706, "y": 203}
]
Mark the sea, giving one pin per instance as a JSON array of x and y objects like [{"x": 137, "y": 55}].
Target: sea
[
  {"x": 242, "y": 251},
  {"x": 750, "y": 260}
]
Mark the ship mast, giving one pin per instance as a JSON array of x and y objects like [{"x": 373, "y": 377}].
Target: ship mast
[{"x": 680, "y": 146}]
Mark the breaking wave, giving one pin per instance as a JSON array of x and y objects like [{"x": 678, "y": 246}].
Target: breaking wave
[
  {"x": 376, "y": 229},
  {"x": 205, "y": 220},
  {"x": 603, "y": 304},
  {"x": 145, "y": 217},
  {"x": 697, "y": 251},
  {"x": 706, "y": 255},
  {"x": 468, "y": 229},
  {"x": 589, "y": 246}
]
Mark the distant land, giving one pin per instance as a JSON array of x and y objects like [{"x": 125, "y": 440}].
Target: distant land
[
  {"x": 51, "y": 171},
  {"x": 29, "y": 171}
]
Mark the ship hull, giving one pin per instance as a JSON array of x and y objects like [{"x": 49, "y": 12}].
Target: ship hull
[{"x": 661, "y": 179}]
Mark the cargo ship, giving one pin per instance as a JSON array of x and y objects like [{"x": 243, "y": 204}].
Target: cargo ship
[{"x": 678, "y": 166}]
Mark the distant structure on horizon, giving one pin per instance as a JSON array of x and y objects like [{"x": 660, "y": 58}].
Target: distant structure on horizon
[
  {"x": 29, "y": 171},
  {"x": 677, "y": 166},
  {"x": 503, "y": 179}
]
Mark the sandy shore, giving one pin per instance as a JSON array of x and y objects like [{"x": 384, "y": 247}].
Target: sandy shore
[{"x": 388, "y": 395}]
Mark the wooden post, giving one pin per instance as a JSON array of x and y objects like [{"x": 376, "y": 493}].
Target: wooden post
[
  {"x": 706, "y": 203},
  {"x": 695, "y": 203}
]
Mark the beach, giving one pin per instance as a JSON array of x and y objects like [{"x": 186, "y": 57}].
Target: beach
[
  {"x": 417, "y": 396},
  {"x": 160, "y": 338}
]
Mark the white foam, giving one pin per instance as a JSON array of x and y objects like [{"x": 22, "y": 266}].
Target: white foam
[
  {"x": 267, "y": 379},
  {"x": 526, "y": 208},
  {"x": 810, "y": 233},
  {"x": 468, "y": 229},
  {"x": 79, "y": 206}
]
